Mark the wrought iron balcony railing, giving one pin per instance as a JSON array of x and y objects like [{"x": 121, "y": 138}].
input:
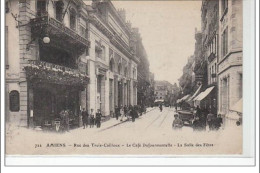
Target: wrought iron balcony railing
[{"x": 46, "y": 21}]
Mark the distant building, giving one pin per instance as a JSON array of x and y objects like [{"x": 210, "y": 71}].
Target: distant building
[{"x": 162, "y": 90}]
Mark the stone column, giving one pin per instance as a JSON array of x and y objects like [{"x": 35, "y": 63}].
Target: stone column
[
  {"x": 30, "y": 107},
  {"x": 115, "y": 91},
  {"x": 25, "y": 55}
]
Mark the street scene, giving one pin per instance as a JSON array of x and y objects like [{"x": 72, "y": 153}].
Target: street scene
[{"x": 114, "y": 77}]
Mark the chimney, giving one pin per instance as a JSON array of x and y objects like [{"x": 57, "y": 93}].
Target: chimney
[{"x": 121, "y": 13}]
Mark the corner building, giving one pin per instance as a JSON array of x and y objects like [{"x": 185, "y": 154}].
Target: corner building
[{"x": 65, "y": 54}]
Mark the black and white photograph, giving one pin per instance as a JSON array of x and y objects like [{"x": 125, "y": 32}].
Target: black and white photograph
[{"x": 103, "y": 77}]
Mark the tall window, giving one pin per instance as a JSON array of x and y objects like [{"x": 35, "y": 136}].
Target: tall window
[
  {"x": 6, "y": 48},
  {"x": 125, "y": 72},
  {"x": 225, "y": 42},
  {"x": 98, "y": 51},
  {"x": 14, "y": 99},
  {"x": 119, "y": 68},
  {"x": 240, "y": 83},
  {"x": 73, "y": 19},
  {"x": 59, "y": 10},
  {"x": 111, "y": 65},
  {"x": 224, "y": 4},
  {"x": 41, "y": 8}
]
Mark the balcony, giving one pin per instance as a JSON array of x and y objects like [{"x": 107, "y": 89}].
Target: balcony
[
  {"x": 47, "y": 72},
  {"x": 59, "y": 34}
]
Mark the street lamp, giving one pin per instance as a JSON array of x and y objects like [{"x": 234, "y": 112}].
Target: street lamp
[{"x": 46, "y": 39}]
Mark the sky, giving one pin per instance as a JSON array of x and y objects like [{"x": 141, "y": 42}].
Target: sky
[{"x": 167, "y": 29}]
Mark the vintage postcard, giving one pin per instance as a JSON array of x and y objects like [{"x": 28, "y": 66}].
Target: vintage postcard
[{"x": 102, "y": 77}]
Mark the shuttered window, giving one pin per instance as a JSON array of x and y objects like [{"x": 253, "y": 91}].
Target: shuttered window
[{"x": 14, "y": 98}]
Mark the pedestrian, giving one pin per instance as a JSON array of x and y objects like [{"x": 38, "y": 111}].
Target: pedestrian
[
  {"x": 98, "y": 118},
  {"x": 125, "y": 110},
  {"x": 116, "y": 112},
  {"x": 67, "y": 120},
  {"x": 91, "y": 119},
  {"x": 121, "y": 113},
  {"x": 85, "y": 115},
  {"x": 132, "y": 114},
  {"x": 161, "y": 108},
  {"x": 177, "y": 123}
]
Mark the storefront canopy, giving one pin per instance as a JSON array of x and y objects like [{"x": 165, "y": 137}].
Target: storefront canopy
[
  {"x": 195, "y": 94},
  {"x": 238, "y": 106},
  {"x": 203, "y": 94},
  {"x": 184, "y": 98}
]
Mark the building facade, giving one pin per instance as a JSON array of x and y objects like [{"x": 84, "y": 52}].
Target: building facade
[
  {"x": 66, "y": 55},
  {"x": 210, "y": 48},
  {"x": 163, "y": 90},
  {"x": 230, "y": 73}
]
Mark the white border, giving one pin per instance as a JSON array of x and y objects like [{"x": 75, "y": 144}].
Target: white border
[{"x": 249, "y": 124}]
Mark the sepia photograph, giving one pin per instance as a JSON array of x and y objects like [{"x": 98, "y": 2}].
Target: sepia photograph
[{"x": 103, "y": 77}]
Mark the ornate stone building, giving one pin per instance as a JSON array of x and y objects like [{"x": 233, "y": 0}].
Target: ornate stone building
[
  {"x": 230, "y": 74},
  {"x": 64, "y": 54}
]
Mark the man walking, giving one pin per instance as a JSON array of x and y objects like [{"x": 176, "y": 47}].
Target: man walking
[
  {"x": 98, "y": 118},
  {"x": 85, "y": 118}
]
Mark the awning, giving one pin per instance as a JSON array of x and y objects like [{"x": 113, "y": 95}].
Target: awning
[
  {"x": 195, "y": 94},
  {"x": 204, "y": 94},
  {"x": 184, "y": 98},
  {"x": 178, "y": 101},
  {"x": 238, "y": 106}
]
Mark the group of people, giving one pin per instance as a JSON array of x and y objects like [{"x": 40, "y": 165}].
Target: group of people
[
  {"x": 129, "y": 111},
  {"x": 91, "y": 120},
  {"x": 201, "y": 120}
]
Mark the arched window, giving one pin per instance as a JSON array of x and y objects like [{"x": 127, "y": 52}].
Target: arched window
[
  {"x": 73, "y": 19},
  {"x": 125, "y": 71},
  {"x": 119, "y": 68},
  {"x": 111, "y": 65},
  {"x": 59, "y": 5},
  {"x": 14, "y": 99}
]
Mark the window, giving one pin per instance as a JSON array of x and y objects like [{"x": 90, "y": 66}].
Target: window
[
  {"x": 6, "y": 7},
  {"x": 98, "y": 52},
  {"x": 224, "y": 5},
  {"x": 59, "y": 5},
  {"x": 14, "y": 99},
  {"x": 41, "y": 8},
  {"x": 240, "y": 83},
  {"x": 125, "y": 72},
  {"x": 225, "y": 42},
  {"x": 6, "y": 48},
  {"x": 119, "y": 68},
  {"x": 73, "y": 19},
  {"x": 111, "y": 65}
]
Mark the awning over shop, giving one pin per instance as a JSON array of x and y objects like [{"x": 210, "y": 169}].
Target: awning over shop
[
  {"x": 238, "y": 106},
  {"x": 195, "y": 94},
  {"x": 203, "y": 94},
  {"x": 184, "y": 98}
]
